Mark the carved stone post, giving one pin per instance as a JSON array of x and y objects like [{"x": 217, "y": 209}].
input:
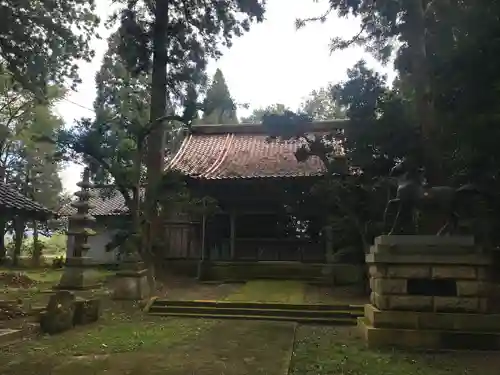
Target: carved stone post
[
  {"x": 131, "y": 282},
  {"x": 76, "y": 275}
]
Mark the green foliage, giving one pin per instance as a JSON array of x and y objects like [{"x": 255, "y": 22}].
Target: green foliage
[
  {"x": 50, "y": 246},
  {"x": 258, "y": 114},
  {"x": 40, "y": 40},
  {"x": 194, "y": 32},
  {"x": 321, "y": 105},
  {"x": 351, "y": 197},
  {"x": 219, "y": 106}
]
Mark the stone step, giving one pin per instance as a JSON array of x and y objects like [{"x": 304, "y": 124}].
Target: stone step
[
  {"x": 259, "y": 305},
  {"x": 233, "y": 311},
  {"x": 8, "y": 335},
  {"x": 302, "y": 320}
]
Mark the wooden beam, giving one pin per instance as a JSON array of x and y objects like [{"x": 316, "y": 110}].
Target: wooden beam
[{"x": 316, "y": 126}]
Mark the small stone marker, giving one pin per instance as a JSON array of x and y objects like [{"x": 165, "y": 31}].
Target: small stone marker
[
  {"x": 130, "y": 282},
  {"x": 59, "y": 314},
  {"x": 87, "y": 311}
]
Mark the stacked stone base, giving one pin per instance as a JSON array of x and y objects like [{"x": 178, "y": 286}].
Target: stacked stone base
[
  {"x": 131, "y": 282},
  {"x": 77, "y": 276},
  {"x": 432, "y": 293},
  {"x": 426, "y": 330}
]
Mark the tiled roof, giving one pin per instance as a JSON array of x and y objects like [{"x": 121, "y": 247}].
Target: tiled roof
[
  {"x": 105, "y": 201},
  {"x": 11, "y": 199},
  {"x": 223, "y": 152},
  {"x": 242, "y": 151}
]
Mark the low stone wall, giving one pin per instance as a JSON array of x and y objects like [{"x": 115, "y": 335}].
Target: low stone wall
[
  {"x": 181, "y": 267},
  {"x": 338, "y": 274}
]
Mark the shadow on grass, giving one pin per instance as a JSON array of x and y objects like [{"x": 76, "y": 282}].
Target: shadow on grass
[
  {"x": 329, "y": 350},
  {"x": 128, "y": 342}
]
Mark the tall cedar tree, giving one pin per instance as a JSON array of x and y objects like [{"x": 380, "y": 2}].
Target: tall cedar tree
[
  {"x": 40, "y": 40},
  {"x": 175, "y": 40},
  {"x": 219, "y": 103},
  {"x": 25, "y": 164},
  {"x": 409, "y": 23}
]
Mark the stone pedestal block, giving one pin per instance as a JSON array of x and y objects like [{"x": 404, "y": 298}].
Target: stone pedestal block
[
  {"x": 58, "y": 316},
  {"x": 130, "y": 284},
  {"x": 86, "y": 311},
  {"x": 429, "y": 292},
  {"x": 77, "y": 276}
]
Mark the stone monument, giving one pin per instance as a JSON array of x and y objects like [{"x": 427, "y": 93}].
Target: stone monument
[
  {"x": 431, "y": 292},
  {"x": 131, "y": 282},
  {"x": 76, "y": 272}
]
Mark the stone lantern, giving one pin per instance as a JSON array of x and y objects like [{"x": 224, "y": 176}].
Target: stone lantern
[{"x": 76, "y": 273}]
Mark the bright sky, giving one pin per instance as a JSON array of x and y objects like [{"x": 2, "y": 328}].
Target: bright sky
[{"x": 273, "y": 63}]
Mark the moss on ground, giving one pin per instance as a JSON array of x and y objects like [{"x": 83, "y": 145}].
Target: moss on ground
[{"x": 269, "y": 291}]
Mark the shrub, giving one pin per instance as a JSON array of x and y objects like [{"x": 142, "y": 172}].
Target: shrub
[{"x": 58, "y": 262}]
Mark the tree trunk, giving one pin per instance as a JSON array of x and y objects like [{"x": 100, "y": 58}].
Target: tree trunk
[
  {"x": 156, "y": 139},
  {"x": 3, "y": 250},
  {"x": 18, "y": 242},
  {"x": 425, "y": 110},
  {"x": 37, "y": 251}
]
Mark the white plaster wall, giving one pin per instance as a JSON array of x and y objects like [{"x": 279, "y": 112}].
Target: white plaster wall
[{"x": 97, "y": 252}]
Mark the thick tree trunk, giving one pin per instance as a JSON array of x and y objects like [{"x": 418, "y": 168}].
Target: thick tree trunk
[
  {"x": 37, "y": 251},
  {"x": 3, "y": 250},
  {"x": 18, "y": 241},
  {"x": 156, "y": 139},
  {"x": 425, "y": 110}
]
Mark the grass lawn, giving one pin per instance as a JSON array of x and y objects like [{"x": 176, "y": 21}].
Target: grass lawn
[
  {"x": 127, "y": 341},
  {"x": 339, "y": 351},
  {"x": 269, "y": 291},
  {"x": 44, "y": 280}
]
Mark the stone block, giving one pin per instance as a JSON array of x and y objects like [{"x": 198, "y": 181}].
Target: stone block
[
  {"x": 77, "y": 276},
  {"x": 454, "y": 272},
  {"x": 431, "y": 320},
  {"x": 58, "y": 316},
  {"x": 490, "y": 304},
  {"x": 472, "y": 288},
  {"x": 377, "y": 270},
  {"x": 389, "y": 318},
  {"x": 446, "y": 250},
  {"x": 412, "y": 303},
  {"x": 409, "y": 272},
  {"x": 424, "y": 240},
  {"x": 86, "y": 311},
  {"x": 379, "y": 301},
  {"x": 131, "y": 285},
  {"x": 427, "y": 339},
  {"x": 397, "y": 337},
  {"x": 389, "y": 286},
  {"x": 473, "y": 259},
  {"x": 485, "y": 273},
  {"x": 456, "y": 304}
]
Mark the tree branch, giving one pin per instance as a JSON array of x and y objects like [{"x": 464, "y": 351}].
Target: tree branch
[
  {"x": 344, "y": 44},
  {"x": 301, "y": 22}
]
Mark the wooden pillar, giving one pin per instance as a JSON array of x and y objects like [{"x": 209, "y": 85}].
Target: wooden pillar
[
  {"x": 328, "y": 243},
  {"x": 232, "y": 238},
  {"x": 203, "y": 238}
]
